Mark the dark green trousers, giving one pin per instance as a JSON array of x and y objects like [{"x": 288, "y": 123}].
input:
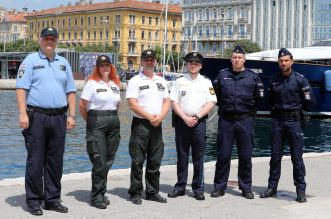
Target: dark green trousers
[
  {"x": 103, "y": 137},
  {"x": 145, "y": 144}
]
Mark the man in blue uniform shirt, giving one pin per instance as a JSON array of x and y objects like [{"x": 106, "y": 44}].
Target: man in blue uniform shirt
[
  {"x": 45, "y": 92},
  {"x": 289, "y": 94},
  {"x": 239, "y": 92}
]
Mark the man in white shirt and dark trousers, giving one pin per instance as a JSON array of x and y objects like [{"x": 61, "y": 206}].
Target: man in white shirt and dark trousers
[{"x": 192, "y": 98}]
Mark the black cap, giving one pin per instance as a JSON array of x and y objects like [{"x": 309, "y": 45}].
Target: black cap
[
  {"x": 148, "y": 54},
  {"x": 239, "y": 50},
  {"x": 193, "y": 57},
  {"x": 103, "y": 58},
  {"x": 49, "y": 31},
  {"x": 284, "y": 52}
]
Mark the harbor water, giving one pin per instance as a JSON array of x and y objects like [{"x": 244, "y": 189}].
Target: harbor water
[{"x": 13, "y": 152}]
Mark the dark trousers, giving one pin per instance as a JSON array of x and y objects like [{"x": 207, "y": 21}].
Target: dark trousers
[
  {"x": 44, "y": 141},
  {"x": 282, "y": 130},
  {"x": 145, "y": 143},
  {"x": 194, "y": 137},
  {"x": 103, "y": 137},
  {"x": 229, "y": 132}
]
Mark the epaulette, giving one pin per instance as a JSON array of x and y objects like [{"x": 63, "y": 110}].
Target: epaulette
[
  {"x": 298, "y": 74},
  {"x": 251, "y": 70},
  {"x": 225, "y": 69}
]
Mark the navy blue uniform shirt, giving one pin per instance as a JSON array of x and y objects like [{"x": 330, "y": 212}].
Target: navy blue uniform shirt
[
  {"x": 238, "y": 93},
  {"x": 290, "y": 93}
]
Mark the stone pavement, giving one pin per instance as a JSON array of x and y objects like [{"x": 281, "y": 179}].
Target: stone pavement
[{"x": 76, "y": 188}]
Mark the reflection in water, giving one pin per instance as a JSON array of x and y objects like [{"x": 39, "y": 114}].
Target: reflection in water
[{"x": 13, "y": 153}]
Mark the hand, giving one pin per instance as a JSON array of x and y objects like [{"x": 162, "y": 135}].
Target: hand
[
  {"x": 190, "y": 121},
  {"x": 156, "y": 121},
  {"x": 24, "y": 121},
  {"x": 71, "y": 123}
]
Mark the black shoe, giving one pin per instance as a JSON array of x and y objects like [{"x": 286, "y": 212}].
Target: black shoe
[
  {"x": 56, "y": 206},
  {"x": 248, "y": 194},
  {"x": 100, "y": 205},
  {"x": 270, "y": 192},
  {"x": 136, "y": 199},
  {"x": 217, "y": 193},
  {"x": 35, "y": 210},
  {"x": 156, "y": 198},
  {"x": 301, "y": 197},
  {"x": 106, "y": 200},
  {"x": 199, "y": 196},
  {"x": 175, "y": 193}
]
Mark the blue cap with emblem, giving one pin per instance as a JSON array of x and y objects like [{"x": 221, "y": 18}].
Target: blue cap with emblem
[
  {"x": 103, "y": 58},
  {"x": 238, "y": 50},
  {"x": 49, "y": 31},
  {"x": 193, "y": 57},
  {"x": 284, "y": 52},
  {"x": 148, "y": 54}
]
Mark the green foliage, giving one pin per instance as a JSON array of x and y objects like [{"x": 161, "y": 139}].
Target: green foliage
[
  {"x": 171, "y": 57},
  {"x": 20, "y": 46},
  {"x": 96, "y": 48},
  {"x": 247, "y": 45}
]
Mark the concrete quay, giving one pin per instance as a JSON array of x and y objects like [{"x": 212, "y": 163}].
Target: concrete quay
[{"x": 76, "y": 189}]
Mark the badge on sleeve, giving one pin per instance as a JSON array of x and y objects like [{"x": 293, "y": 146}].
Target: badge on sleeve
[
  {"x": 63, "y": 67},
  {"x": 307, "y": 95},
  {"x": 183, "y": 93},
  {"x": 20, "y": 72},
  {"x": 212, "y": 91}
]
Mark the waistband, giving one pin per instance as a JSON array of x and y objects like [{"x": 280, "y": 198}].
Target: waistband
[
  {"x": 102, "y": 112},
  {"x": 237, "y": 116},
  {"x": 283, "y": 113},
  {"x": 49, "y": 111}
]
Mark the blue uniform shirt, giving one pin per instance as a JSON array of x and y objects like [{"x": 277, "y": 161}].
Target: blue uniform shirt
[
  {"x": 47, "y": 83},
  {"x": 238, "y": 93},
  {"x": 291, "y": 93}
]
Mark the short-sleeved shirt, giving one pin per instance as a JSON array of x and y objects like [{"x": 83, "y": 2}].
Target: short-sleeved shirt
[
  {"x": 192, "y": 95},
  {"x": 47, "y": 82},
  {"x": 149, "y": 92},
  {"x": 101, "y": 95}
]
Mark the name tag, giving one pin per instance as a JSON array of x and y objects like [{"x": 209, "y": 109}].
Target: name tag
[
  {"x": 101, "y": 90},
  {"x": 144, "y": 87},
  {"x": 38, "y": 67},
  {"x": 63, "y": 67},
  {"x": 114, "y": 89}
]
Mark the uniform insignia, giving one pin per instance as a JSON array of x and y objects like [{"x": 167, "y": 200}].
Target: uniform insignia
[
  {"x": 183, "y": 93},
  {"x": 261, "y": 93},
  {"x": 50, "y": 29},
  {"x": 144, "y": 87},
  {"x": 195, "y": 54},
  {"x": 115, "y": 90},
  {"x": 101, "y": 90},
  {"x": 212, "y": 91},
  {"x": 103, "y": 58},
  {"x": 149, "y": 52},
  {"x": 63, "y": 67},
  {"x": 160, "y": 86},
  {"x": 38, "y": 67},
  {"x": 20, "y": 73},
  {"x": 282, "y": 54},
  {"x": 307, "y": 96}
]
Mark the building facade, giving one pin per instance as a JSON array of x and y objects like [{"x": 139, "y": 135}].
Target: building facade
[
  {"x": 290, "y": 23},
  {"x": 210, "y": 26},
  {"x": 131, "y": 26}
]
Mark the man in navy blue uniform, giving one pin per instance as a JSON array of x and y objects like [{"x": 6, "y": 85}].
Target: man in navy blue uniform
[
  {"x": 239, "y": 92},
  {"x": 289, "y": 94},
  {"x": 46, "y": 101}
]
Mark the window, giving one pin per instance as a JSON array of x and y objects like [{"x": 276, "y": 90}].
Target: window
[
  {"x": 95, "y": 20},
  {"x": 156, "y": 21},
  {"x": 142, "y": 48},
  {"x": 229, "y": 30},
  {"x": 132, "y": 19},
  {"x": 52, "y": 23},
  {"x": 242, "y": 29},
  {"x": 230, "y": 14},
  {"x": 173, "y": 23},
  {"x": 117, "y": 34},
  {"x": 149, "y": 35},
  {"x": 214, "y": 13},
  {"x": 88, "y": 35},
  {"x": 62, "y": 36},
  {"x": 43, "y": 24},
  {"x": 89, "y": 21},
  {"x": 143, "y": 20},
  {"x": 150, "y": 21},
  {"x": 94, "y": 35},
  {"x": 100, "y": 34},
  {"x": 188, "y": 31},
  {"x": 75, "y": 22},
  {"x": 200, "y": 31},
  {"x": 117, "y": 19},
  {"x": 156, "y": 35},
  {"x": 207, "y": 15},
  {"x": 174, "y": 36},
  {"x": 101, "y": 18},
  {"x": 69, "y": 22},
  {"x": 207, "y": 30},
  {"x": 200, "y": 15},
  {"x": 75, "y": 36},
  {"x": 132, "y": 34},
  {"x": 81, "y": 35},
  {"x": 243, "y": 13},
  {"x": 82, "y": 22},
  {"x": 107, "y": 34},
  {"x": 142, "y": 35},
  {"x": 131, "y": 47}
]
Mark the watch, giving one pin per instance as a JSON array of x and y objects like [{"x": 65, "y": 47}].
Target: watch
[{"x": 196, "y": 117}]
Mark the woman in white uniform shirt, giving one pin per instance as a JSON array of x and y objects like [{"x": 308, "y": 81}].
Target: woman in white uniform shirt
[{"x": 98, "y": 106}]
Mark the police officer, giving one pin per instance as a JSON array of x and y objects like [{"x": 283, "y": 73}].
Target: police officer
[
  {"x": 192, "y": 98},
  {"x": 45, "y": 91},
  {"x": 239, "y": 91},
  {"x": 98, "y": 106},
  {"x": 148, "y": 98},
  {"x": 289, "y": 94}
]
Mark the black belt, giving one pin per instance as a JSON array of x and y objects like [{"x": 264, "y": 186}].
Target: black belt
[
  {"x": 277, "y": 112},
  {"x": 237, "y": 116},
  {"x": 49, "y": 111},
  {"x": 102, "y": 112}
]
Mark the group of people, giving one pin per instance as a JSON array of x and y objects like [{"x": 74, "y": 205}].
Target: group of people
[{"x": 46, "y": 103}]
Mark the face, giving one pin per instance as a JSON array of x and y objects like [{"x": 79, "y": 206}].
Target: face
[
  {"x": 148, "y": 63},
  {"x": 238, "y": 60},
  {"x": 194, "y": 67},
  {"x": 104, "y": 68},
  {"x": 285, "y": 63},
  {"x": 48, "y": 43}
]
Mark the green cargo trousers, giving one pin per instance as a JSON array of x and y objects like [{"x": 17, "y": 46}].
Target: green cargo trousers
[
  {"x": 103, "y": 137},
  {"x": 145, "y": 142}
]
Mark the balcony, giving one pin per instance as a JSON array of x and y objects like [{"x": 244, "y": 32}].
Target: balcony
[
  {"x": 131, "y": 39},
  {"x": 116, "y": 39},
  {"x": 133, "y": 54}
]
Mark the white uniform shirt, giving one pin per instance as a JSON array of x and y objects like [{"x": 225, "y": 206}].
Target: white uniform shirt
[
  {"x": 101, "y": 95},
  {"x": 192, "y": 95},
  {"x": 149, "y": 92}
]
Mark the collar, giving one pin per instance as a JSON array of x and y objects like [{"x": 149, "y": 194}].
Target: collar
[
  {"x": 198, "y": 78},
  {"x": 43, "y": 56},
  {"x": 144, "y": 77},
  {"x": 239, "y": 75}
]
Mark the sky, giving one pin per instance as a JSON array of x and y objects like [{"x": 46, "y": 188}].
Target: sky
[{"x": 41, "y": 4}]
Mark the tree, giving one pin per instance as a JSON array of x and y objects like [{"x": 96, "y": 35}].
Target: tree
[{"x": 247, "y": 45}]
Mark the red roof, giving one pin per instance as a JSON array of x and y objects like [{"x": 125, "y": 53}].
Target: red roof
[
  {"x": 15, "y": 17},
  {"x": 133, "y": 5}
]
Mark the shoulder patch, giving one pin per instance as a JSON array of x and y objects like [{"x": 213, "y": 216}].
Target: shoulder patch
[
  {"x": 225, "y": 69},
  {"x": 20, "y": 73}
]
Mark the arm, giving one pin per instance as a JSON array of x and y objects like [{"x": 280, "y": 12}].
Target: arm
[
  {"x": 83, "y": 108},
  {"x": 21, "y": 104},
  {"x": 165, "y": 109},
  {"x": 71, "y": 110},
  {"x": 190, "y": 121},
  {"x": 259, "y": 92},
  {"x": 206, "y": 109},
  {"x": 137, "y": 109}
]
